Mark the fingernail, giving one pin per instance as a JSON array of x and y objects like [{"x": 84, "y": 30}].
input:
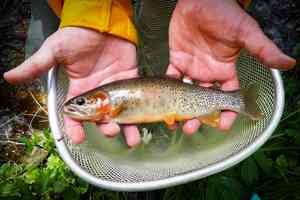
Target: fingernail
[
  {"x": 289, "y": 61},
  {"x": 133, "y": 142},
  {"x": 77, "y": 139},
  {"x": 191, "y": 127}
]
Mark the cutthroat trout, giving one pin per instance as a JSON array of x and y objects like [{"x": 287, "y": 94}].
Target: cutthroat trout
[{"x": 147, "y": 100}]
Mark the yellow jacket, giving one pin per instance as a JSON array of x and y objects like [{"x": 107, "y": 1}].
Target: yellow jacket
[{"x": 109, "y": 16}]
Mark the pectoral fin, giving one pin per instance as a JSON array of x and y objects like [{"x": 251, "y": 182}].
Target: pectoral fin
[
  {"x": 115, "y": 111},
  {"x": 212, "y": 119}
]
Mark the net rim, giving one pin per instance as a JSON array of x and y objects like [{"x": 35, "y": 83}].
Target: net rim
[{"x": 166, "y": 182}]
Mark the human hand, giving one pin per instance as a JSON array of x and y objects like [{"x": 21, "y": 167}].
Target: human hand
[
  {"x": 205, "y": 38},
  {"x": 90, "y": 59}
]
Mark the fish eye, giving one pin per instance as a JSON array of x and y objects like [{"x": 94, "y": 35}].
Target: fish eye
[{"x": 80, "y": 101}]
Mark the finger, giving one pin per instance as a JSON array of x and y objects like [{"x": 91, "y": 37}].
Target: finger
[
  {"x": 204, "y": 84},
  {"x": 227, "y": 118},
  {"x": 173, "y": 72},
  {"x": 231, "y": 84},
  {"x": 38, "y": 64},
  {"x": 121, "y": 76},
  {"x": 74, "y": 130},
  {"x": 180, "y": 62},
  {"x": 132, "y": 135},
  {"x": 79, "y": 86},
  {"x": 191, "y": 126},
  {"x": 258, "y": 44},
  {"x": 110, "y": 129}
]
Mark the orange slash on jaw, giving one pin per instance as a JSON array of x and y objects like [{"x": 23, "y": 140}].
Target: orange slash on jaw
[
  {"x": 101, "y": 95},
  {"x": 115, "y": 111},
  {"x": 105, "y": 106}
]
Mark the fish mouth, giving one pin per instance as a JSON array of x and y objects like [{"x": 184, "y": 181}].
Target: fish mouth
[
  {"x": 78, "y": 114},
  {"x": 74, "y": 111}
]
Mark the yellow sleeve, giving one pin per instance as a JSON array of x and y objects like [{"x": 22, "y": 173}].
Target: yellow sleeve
[
  {"x": 244, "y": 3},
  {"x": 109, "y": 16},
  {"x": 56, "y": 6}
]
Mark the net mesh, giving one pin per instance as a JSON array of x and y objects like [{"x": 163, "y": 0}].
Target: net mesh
[
  {"x": 148, "y": 163},
  {"x": 168, "y": 155}
]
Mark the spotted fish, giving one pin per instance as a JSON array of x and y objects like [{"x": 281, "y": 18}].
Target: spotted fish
[{"x": 153, "y": 99}]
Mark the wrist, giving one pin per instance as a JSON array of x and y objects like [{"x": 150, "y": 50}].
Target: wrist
[{"x": 106, "y": 16}]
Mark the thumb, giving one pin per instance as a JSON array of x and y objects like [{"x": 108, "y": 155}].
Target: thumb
[
  {"x": 259, "y": 45},
  {"x": 38, "y": 64},
  {"x": 173, "y": 71}
]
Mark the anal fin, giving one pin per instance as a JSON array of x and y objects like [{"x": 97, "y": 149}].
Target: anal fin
[
  {"x": 170, "y": 118},
  {"x": 212, "y": 119}
]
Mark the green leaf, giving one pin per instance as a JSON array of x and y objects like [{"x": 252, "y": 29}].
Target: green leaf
[
  {"x": 292, "y": 160},
  {"x": 291, "y": 132},
  {"x": 211, "y": 190},
  {"x": 224, "y": 188},
  {"x": 9, "y": 190},
  {"x": 49, "y": 144},
  {"x": 228, "y": 195},
  {"x": 4, "y": 169},
  {"x": 297, "y": 139},
  {"x": 59, "y": 186},
  {"x": 32, "y": 176},
  {"x": 35, "y": 139},
  {"x": 71, "y": 195},
  {"x": 296, "y": 51},
  {"x": 44, "y": 182},
  {"x": 28, "y": 144},
  {"x": 82, "y": 186},
  {"x": 54, "y": 162},
  {"x": 266, "y": 164},
  {"x": 231, "y": 186},
  {"x": 282, "y": 165},
  {"x": 46, "y": 196},
  {"x": 8, "y": 170},
  {"x": 281, "y": 161},
  {"x": 249, "y": 171}
]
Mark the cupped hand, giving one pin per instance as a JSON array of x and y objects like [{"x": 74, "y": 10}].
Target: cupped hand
[
  {"x": 90, "y": 59},
  {"x": 205, "y": 38}
]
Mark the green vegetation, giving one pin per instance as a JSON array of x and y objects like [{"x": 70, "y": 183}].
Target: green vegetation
[{"x": 43, "y": 177}]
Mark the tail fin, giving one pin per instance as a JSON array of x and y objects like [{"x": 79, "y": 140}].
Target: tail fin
[{"x": 250, "y": 108}]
